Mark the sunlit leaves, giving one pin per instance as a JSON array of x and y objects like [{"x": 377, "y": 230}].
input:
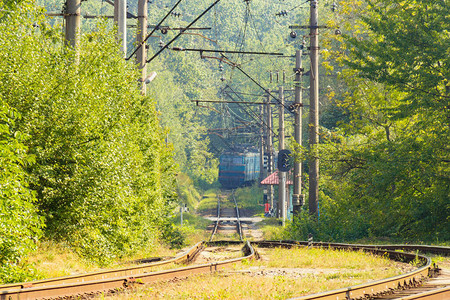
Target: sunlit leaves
[
  {"x": 20, "y": 225},
  {"x": 385, "y": 165},
  {"x": 103, "y": 177}
]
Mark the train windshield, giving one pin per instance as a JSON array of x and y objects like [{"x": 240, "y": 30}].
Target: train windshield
[{"x": 232, "y": 160}]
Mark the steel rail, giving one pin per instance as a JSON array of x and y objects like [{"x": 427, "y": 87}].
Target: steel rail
[
  {"x": 422, "y": 248},
  {"x": 217, "y": 221},
  {"x": 126, "y": 271},
  {"x": 376, "y": 287},
  {"x": 437, "y": 294},
  {"x": 354, "y": 292},
  {"x": 238, "y": 221},
  {"x": 372, "y": 288},
  {"x": 94, "y": 286}
]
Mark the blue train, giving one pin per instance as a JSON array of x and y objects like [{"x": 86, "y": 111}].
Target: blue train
[{"x": 238, "y": 168}]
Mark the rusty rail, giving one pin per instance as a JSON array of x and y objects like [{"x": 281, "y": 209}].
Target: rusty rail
[
  {"x": 216, "y": 224},
  {"x": 378, "y": 287},
  {"x": 89, "y": 285},
  {"x": 100, "y": 275},
  {"x": 238, "y": 221},
  {"x": 93, "y": 286},
  {"x": 422, "y": 248},
  {"x": 437, "y": 294}
]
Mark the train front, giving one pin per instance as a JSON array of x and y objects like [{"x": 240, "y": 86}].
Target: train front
[{"x": 238, "y": 169}]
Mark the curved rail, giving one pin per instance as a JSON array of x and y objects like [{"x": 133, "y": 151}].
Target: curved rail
[
  {"x": 370, "y": 289},
  {"x": 187, "y": 256},
  {"x": 422, "y": 248},
  {"x": 79, "y": 288},
  {"x": 378, "y": 287},
  {"x": 442, "y": 293}
]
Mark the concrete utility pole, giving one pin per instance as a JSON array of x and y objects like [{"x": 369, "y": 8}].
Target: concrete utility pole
[
  {"x": 269, "y": 148},
  {"x": 120, "y": 20},
  {"x": 281, "y": 175},
  {"x": 72, "y": 16},
  {"x": 141, "y": 55},
  {"x": 314, "y": 111},
  {"x": 261, "y": 147},
  {"x": 297, "y": 198}
]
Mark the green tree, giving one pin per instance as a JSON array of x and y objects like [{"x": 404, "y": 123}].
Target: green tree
[
  {"x": 103, "y": 177},
  {"x": 388, "y": 164}
]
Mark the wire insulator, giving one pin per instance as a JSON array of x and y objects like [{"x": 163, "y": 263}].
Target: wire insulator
[{"x": 333, "y": 7}]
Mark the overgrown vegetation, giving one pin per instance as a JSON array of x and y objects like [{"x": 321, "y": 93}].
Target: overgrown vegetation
[
  {"x": 250, "y": 198},
  {"x": 83, "y": 156},
  {"x": 385, "y": 161},
  {"x": 275, "y": 276},
  {"x": 87, "y": 161}
]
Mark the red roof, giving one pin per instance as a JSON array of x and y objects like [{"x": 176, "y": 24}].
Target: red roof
[{"x": 273, "y": 179}]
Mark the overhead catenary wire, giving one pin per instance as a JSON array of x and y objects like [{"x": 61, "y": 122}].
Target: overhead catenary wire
[
  {"x": 181, "y": 32},
  {"x": 223, "y": 51},
  {"x": 249, "y": 94},
  {"x": 258, "y": 118},
  {"x": 246, "y": 16},
  {"x": 263, "y": 88},
  {"x": 154, "y": 29},
  {"x": 245, "y": 111}
]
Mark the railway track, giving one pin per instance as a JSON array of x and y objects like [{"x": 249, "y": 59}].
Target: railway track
[
  {"x": 412, "y": 285},
  {"x": 408, "y": 286},
  {"x": 427, "y": 282},
  {"x": 41, "y": 288},
  {"x": 85, "y": 285},
  {"x": 227, "y": 218}
]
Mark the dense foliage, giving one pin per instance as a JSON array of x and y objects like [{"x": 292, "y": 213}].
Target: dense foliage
[
  {"x": 88, "y": 153},
  {"x": 388, "y": 163},
  {"x": 85, "y": 160},
  {"x": 20, "y": 224}
]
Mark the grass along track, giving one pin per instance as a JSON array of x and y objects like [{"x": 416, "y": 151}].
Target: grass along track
[
  {"x": 281, "y": 273},
  {"x": 239, "y": 277}
]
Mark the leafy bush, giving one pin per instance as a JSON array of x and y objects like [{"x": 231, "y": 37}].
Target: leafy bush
[
  {"x": 186, "y": 190},
  {"x": 104, "y": 178},
  {"x": 207, "y": 204},
  {"x": 20, "y": 225},
  {"x": 173, "y": 236},
  {"x": 250, "y": 198}
]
